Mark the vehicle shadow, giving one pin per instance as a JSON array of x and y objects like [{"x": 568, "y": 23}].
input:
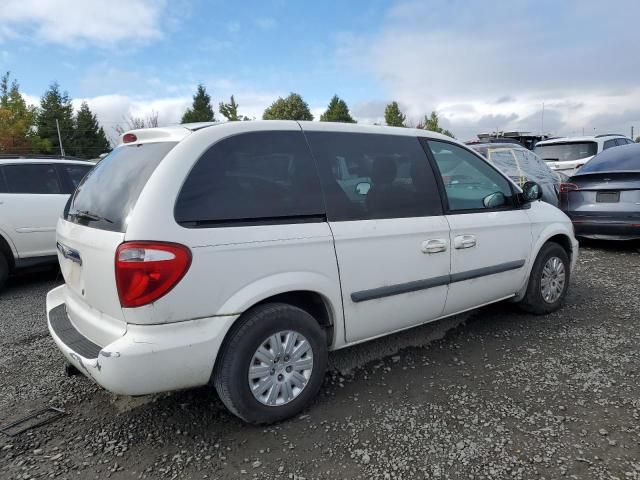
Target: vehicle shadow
[{"x": 611, "y": 245}]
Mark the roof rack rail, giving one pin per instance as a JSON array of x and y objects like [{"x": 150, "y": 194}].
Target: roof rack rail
[
  {"x": 10, "y": 156},
  {"x": 609, "y": 135}
]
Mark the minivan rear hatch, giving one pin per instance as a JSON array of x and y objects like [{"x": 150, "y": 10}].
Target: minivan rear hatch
[{"x": 93, "y": 226}]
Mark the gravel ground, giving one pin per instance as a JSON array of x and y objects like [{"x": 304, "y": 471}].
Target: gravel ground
[{"x": 498, "y": 394}]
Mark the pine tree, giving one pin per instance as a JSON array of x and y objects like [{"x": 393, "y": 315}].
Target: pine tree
[
  {"x": 291, "y": 108},
  {"x": 55, "y": 104},
  {"x": 230, "y": 111},
  {"x": 432, "y": 123},
  {"x": 393, "y": 116},
  {"x": 337, "y": 111},
  {"x": 89, "y": 139},
  {"x": 201, "y": 110},
  {"x": 16, "y": 121}
]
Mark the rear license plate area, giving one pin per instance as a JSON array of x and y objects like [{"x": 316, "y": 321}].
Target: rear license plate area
[{"x": 608, "y": 197}]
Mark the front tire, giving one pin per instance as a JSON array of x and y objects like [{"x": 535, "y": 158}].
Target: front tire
[
  {"x": 549, "y": 281},
  {"x": 272, "y": 363}
]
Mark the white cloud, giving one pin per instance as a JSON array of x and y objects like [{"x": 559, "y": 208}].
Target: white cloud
[
  {"x": 483, "y": 68},
  {"x": 79, "y": 23},
  {"x": 113, "y": 110}
]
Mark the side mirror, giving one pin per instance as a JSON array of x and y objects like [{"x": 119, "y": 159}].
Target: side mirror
[
  {"x": 531, "y": 192},
  {"x": 494, "y": 200},
  {"x": 363, "y": 188}
]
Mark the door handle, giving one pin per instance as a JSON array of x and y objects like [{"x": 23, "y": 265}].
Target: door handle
[
  {"x": 464, "y": 241},
  {"x": 436, "y": 245}
]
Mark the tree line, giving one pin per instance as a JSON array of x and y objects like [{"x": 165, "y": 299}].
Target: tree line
[
  {"x": 26, "y": 129},
  {"x": 293, "y": 107}
]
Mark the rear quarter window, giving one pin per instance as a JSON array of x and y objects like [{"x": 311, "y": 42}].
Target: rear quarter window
[
  {"x": 105, "y": 198},
  {"x": 252, "y": 178},
  {"x": 32, "y": 178},
  {"x": 374, "y": 176}
]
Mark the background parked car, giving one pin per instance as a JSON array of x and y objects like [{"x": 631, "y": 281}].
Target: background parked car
[
  {"x": 567, "y": 154},
  {"x": 522, "y": 166},
  {"x": 603, "y": 198},
  {"x": 33, "y": 192}
]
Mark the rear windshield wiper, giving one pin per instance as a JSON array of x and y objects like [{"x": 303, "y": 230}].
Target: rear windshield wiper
[{"x": 89, "y": 216}]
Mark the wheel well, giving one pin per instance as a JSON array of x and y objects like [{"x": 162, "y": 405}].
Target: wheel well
[
  {"x": 311, "y": 302},
  {"x": 564, "y": 242},
  {"x": 5, "y": 250}
]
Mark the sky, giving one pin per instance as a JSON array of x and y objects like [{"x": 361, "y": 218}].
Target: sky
[{"x": 481, "y": 65}]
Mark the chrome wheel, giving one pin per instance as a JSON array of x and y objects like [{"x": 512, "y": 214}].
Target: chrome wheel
[
  {"x": 280, "y": 368},
  {"x": 553, "y": 280}
]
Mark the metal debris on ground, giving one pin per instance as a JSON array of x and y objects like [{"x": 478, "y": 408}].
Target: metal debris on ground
[{"x": 34, "y": 419}]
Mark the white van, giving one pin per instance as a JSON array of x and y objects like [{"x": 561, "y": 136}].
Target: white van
[
  {"x": 239, "y": 254},
  {"x": 568, "y": 154}
]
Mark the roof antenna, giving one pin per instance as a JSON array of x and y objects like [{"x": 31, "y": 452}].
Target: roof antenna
[{"x": 59, "y": 138}]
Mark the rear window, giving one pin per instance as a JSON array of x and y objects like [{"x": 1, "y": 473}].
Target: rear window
[
  {"x": 252, "y": 178},
  {"x": 621, "y": 159},
  {"x": 105, "y": 198},
  {"x": 520, "y": 164},
  {"x": 563, "y": 152}
]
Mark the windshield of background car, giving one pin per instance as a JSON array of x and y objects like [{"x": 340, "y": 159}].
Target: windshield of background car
[
  {"x": 106, "y": 196},
  {"x": 620, "y": 159},
  {"x": 520, "y": 164},
  {"x": 566, "y": 151}
]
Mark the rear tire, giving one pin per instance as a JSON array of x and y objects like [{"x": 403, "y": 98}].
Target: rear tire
[
  {"x": 549, "y": 281},
  {"x": 257, "y": 377},
  {"x": 4, "y": 271}
]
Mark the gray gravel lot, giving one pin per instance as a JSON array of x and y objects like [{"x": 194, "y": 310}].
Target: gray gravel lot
[{"x": 502, "y": 395}]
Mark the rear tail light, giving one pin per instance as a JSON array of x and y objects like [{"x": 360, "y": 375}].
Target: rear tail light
[
  {"x": 129, "y": 138},
  {"x": 145, "y": 271},
  {"x": 568, "y": 187}
]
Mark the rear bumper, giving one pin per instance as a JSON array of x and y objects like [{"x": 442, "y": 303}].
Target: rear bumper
[
  {"x": 147, "y": 358},
  {"x": 606, "y": 229}
]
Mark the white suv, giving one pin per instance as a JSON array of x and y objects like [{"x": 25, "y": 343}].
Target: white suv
[
  {"x": 33, "y": 191},
  {"x": 239, "y": 254},
  {"x": 568, "y": 154}
]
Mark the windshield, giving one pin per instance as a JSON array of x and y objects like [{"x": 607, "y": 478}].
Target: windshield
[
  {"x": 621, "y": 159},
  {"x": 105, "y": 198},
  {"x": 562, "y": 152},
  {"x": 520, "y": 164}
]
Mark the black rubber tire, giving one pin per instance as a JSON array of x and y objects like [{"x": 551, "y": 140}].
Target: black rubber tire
[
  {"x": 232, "y": 367},
  {"x": 4, "y": 271},
  {"x": 533, "y": 301}
]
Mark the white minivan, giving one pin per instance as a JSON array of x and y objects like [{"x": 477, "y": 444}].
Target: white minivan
[{"x": 237, "y": 255}]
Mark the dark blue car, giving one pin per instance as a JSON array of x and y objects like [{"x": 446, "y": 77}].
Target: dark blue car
[{"x": 603, "y": 198}]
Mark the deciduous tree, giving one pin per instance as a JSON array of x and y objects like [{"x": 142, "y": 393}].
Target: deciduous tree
[
  {"x": 17, "y": 120},
  {"x": 291, "y": 108},
  {"x": 230, "y": 111}
]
